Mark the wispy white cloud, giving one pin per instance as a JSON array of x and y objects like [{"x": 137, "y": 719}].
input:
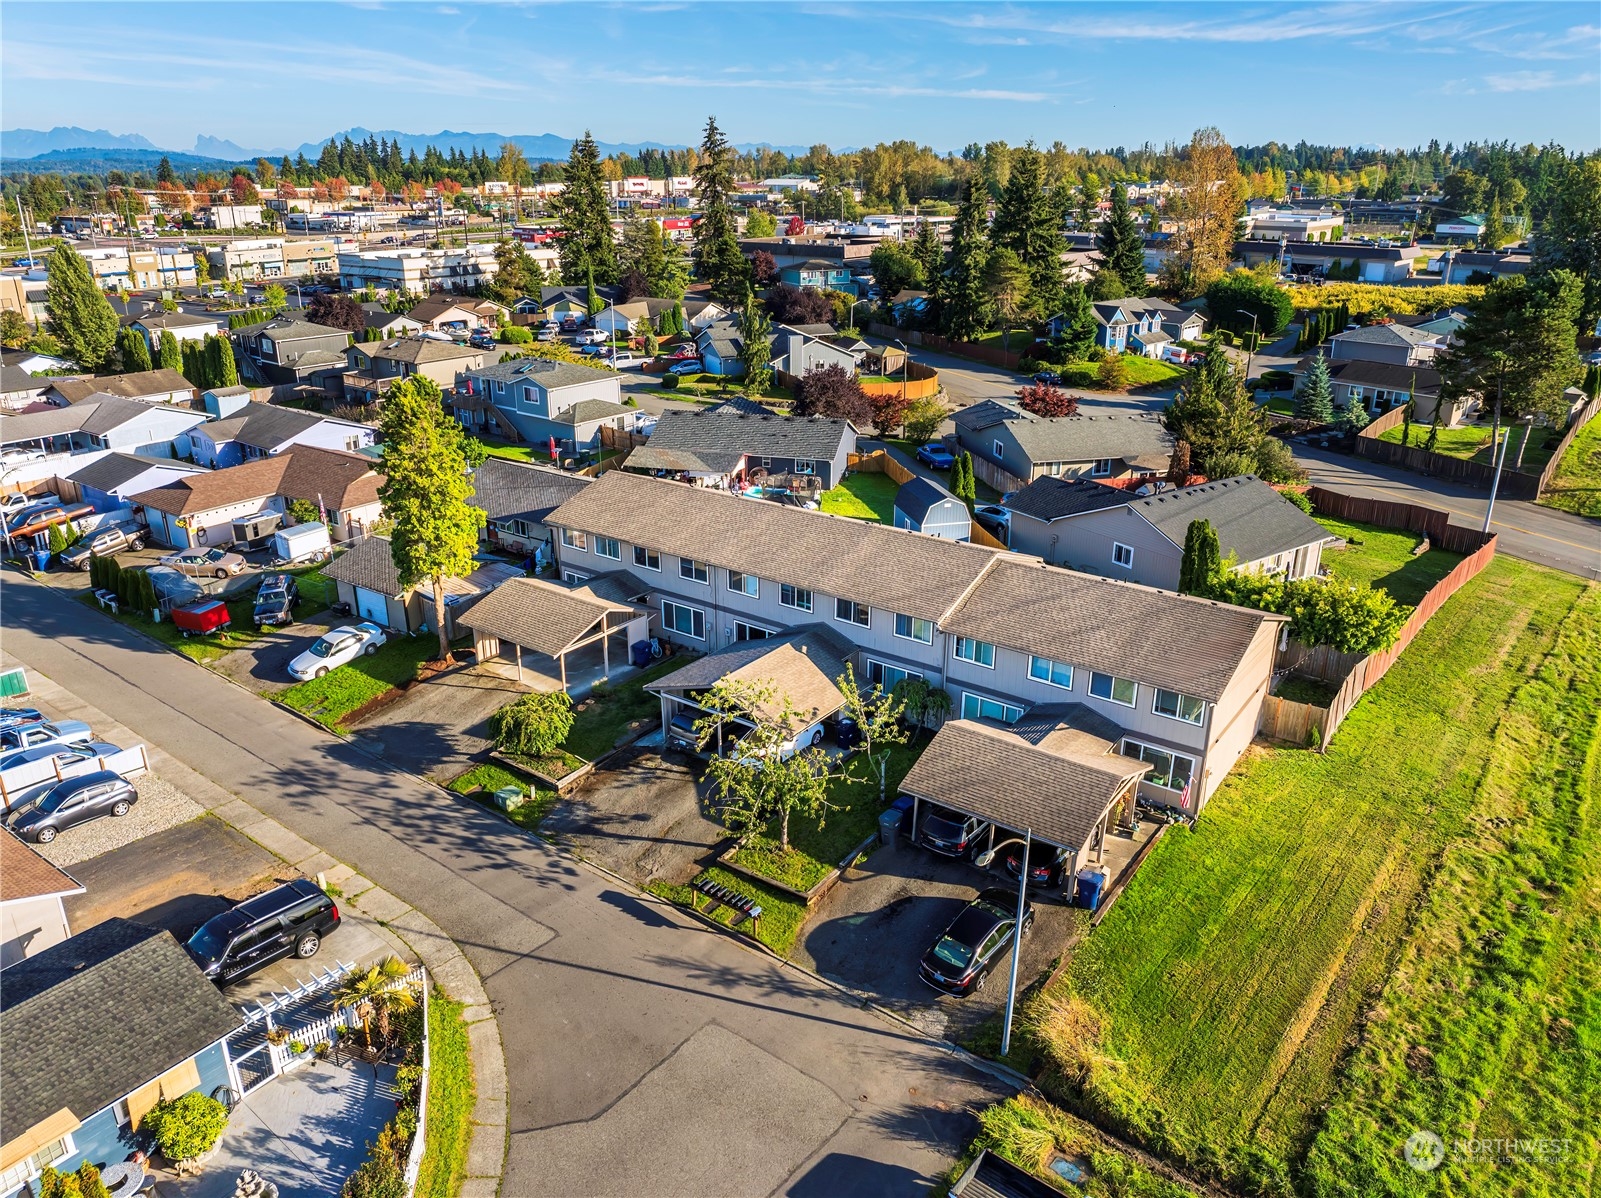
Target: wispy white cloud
[
  {"x": 1576, "y": 41},
  {"x": 1517, "y": 81}
]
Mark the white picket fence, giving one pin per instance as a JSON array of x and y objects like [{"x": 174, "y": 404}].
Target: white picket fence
[
  {"x": 414, "y": 1159},
  {"x": 19, "y": 780}
]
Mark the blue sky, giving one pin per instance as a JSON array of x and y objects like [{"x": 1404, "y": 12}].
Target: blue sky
[{"x": 942, "y": 74}]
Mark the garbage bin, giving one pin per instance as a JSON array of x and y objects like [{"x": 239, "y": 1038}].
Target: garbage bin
[
  {"x": 639, "y": 652},
  {"x": 889, "y": 825}
]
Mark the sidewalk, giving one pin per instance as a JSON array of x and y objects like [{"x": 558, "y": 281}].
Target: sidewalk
[{"x": 408, "y": 930}]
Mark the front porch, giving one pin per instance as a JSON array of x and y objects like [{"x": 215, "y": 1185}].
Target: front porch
[{"x": 553, "y": 623}]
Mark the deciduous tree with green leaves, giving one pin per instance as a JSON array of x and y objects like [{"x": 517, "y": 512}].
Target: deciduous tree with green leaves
[
  {"x": 433, "y": 529},
  {"x": 81, "y": 317},
  {"x": 878, "y": 719}
]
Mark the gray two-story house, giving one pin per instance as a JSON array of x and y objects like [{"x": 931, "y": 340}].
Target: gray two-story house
[
  {"x": 1011, "y": 447},
  {"x": 1088, "y": 526},
  {"x": 289, "y": 350},
  {"x": 376, "y": 366},
  {"x": 1001, "y": 633},
  {"x": 538, "y": 400}
]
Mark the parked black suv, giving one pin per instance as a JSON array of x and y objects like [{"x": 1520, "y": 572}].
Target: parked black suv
[{"x": 292, "y": 918}]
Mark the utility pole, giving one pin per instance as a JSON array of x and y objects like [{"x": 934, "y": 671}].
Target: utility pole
[{"x": 22, "y": 219}]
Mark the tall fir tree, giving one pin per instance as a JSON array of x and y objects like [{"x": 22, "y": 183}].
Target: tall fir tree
[
  {"x": 1315, "y": 400},
  {"x": 965, "y": 300},
  {"x": 1078, "y": 321},
  {"x": 1028, "y": 221},
  {"x": 756, "y": 348},
  {"x": 1202, "y": 560},
  {"x": 583, "y": 212},
  {"x": 134, "y": 349},
  {"x": 1121, "y": 244},
  {"x": 80, "y": 316},
  {"x": 929, "y": 251},
  {"x": 717, "y": 257}
]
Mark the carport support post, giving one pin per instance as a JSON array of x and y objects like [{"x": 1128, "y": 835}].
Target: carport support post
[
  {"x": 519, "y": 649},
  {"x": 1017, "y": 942}
]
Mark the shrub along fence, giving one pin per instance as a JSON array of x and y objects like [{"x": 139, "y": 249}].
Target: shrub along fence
[
  {"x": 991, "y": 354},
  {"x": 1354, "y": 674},
  {"x": 1580, "y": 418}
]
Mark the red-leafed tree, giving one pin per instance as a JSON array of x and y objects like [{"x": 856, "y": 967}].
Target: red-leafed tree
[
  {"x": 763, "y": 268},
  {"x": 834, "y": 392},
  {"x": 888, "y": 412},
  {"x": 789, "y": 304},
  {"x": 338, "y": 312},
  {"x": 449, "y": 187},
  {"x": 338, "y": 187},
  {"x": 1042, "y": 399},
  {"x": 796, "y": 227},
  {"x": 244, "y": 191}
]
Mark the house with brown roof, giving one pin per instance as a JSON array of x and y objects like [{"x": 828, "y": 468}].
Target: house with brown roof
[
  {"x": 201, "y": 508},
  {"x": 1182, "y": 679},
  {"x": 377, "y": 366},
  {"x": 33, "y": 894},
  {"x": 148, "y": 386}
]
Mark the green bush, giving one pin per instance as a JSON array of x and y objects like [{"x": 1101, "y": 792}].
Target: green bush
[
  {"x": 186, "y": 1126},
  {"x": 1080, "y": 374},
  {"x": 534, "y": 726},
  {"x": 514, "y": 334},
  {"x": 1322, "y": 611},
  {"x": 669, "y": 382}
]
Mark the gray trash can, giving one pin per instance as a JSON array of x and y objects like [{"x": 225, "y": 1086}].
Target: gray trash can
[{"x": 889, "y": 826}]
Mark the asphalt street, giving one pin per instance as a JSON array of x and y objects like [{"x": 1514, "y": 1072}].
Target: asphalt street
[{"x": 646, "y": 1052}]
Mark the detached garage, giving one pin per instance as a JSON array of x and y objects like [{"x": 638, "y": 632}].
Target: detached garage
[{"x": 366, "y": 578}]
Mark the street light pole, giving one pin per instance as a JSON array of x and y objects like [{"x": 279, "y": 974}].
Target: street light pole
[{"x": 983, "y": 860}]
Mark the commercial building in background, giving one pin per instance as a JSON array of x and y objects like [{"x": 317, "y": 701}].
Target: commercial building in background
[
  {"x": 418, "y": 270},
  {"x": 261, "y": 258},
  {"x": 307, "y": 257}
]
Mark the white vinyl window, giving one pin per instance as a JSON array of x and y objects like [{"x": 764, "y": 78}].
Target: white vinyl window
[
  {"x": 1179, "y": 707},
  {"x": 850, "y": 612},
  {"x": 684, "y": 620},
  {"x": 909, "y": 628},
  {"x": 1102, "y": 468},
  {"x": 997, "y": 449},
  {"x": 797, "y": 597},
  {"x": 978, "y": 652},
  {"x": 1114, "y": 689},
  {"x": 573, "y": 577},
  {"x": 885, "y": 676},
  {"x": 574, "y": 539},
  {"x": 979, "y": 707},
  {"x": 30, "y": 1167},
  {"x": 1052, "y": 673},
  {"x": 608, "y": 547},
  {"x": 1122, "y": 555},
  {"x": 744, "y": 584},
  {"x": 647, "y": 559},
  {"x": 1173, "y": 771},
  {"x": 694, "y": 571},
  {"x": 805, "y": 466}
]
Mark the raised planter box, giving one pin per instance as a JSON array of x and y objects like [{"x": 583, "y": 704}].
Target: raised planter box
[
  {"x": 826, "y": 883},
  {"x": 560, "y": 785}
]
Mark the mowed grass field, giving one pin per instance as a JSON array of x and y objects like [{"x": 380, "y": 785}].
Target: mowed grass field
[
  {"x": 1576, "y": 486},
  {"x": 1401, "y": 934}
]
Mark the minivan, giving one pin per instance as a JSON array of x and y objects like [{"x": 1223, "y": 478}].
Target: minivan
[{"x": 292, "y": 918}]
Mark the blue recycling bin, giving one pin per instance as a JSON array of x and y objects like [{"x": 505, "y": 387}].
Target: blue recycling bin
[
  {"x": 1091, "y": 884},
  {"x": 639, "y": 653}
]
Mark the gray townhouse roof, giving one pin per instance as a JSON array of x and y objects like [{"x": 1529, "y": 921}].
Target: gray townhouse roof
[
  {"x": 15, "y": 380},
  {"x": 895, "y": 569},
  {"x": 1252, "y": 520},
  {"x": 1106, "y": 310},
  {"x": 141, "y": 383},
  {"x": 740, "y": 405},
  {"x": 1138, "y": 440},
  {"x": 261, "y": 425},
  {"x": 1059, "y": 789},
  {"x": 508, "y": 490},
  {"x": 1355, "y": 372},
  {"x": 289, "y": 328},
  {"x": 804, "y": 665},
  {"x": 97, "y": 415},
  {"x": 367, "y": 564},
  {"x": 114, "y": 469},
  {"x": 90, "y": 1020},
  {"x": 918, "y": 494},
  {"x": 1053, "y": 498},
  {"x": 548, "y": 373},
  {"x": 716, "y": 441},
  {"x": 1386, "y": 334},
  {"x": 1152, "y": 636}
]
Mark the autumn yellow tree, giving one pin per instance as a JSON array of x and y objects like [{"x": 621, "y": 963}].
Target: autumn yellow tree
[{"x": 1206, "y": 207}]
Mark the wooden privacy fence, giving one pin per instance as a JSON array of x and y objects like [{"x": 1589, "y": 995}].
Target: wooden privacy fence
[
  {"x": 620, "y": 438},
  {"x": 912, "y": 388},
  {"x": 981, "y": 536},
  {"x": 879, "y": 462},
  {"x": 1580, "y": 418},
  {"x": 1288, "y": 720}
]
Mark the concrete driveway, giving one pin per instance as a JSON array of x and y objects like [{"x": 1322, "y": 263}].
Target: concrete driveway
[
  {"x": 438, "y": 727},
  {"x": 643, "y": 816},
  {"x": 870, "y": 932}
]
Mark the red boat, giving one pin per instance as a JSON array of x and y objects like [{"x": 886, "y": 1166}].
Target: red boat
[{"x": 198, "y": 619}]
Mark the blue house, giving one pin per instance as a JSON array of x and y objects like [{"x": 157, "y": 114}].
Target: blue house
[
  {"x": 538, "y": 400},
  {"x": 259, "y": 430},
  {"x": 105, "y": 485},
  {"x": 922, "y": 505},
  {"x": 814, "y": 272},
  {"x": 95, "y": 1031},
  {"x": 1141, "y": 326},
  {"x": 155, "y": 430}
]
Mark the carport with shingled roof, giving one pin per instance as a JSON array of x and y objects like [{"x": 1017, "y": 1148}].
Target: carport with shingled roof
[{"x": 554, "y": 620}]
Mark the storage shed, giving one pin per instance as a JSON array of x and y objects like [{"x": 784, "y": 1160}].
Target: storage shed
[{"x": 922, "y": 505}]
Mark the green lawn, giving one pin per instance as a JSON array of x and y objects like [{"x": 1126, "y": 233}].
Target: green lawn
[
  {"x": 1472, "y": 443},
  {"x": 1425, "y": 891},
  {"x": 863, "y": 496},
  {"x": 607, "y": 710},
  {"x": 451, "y": 1094},
  {"x": 482, "y": 781},
  {"x": 782, "y": 914},
  {"x": 1576, "y": 486},
  {"x": 1382, "y": 558},
  {"x": 1017, "y": 341},
  {"x": 329, "y": 699},
  {"x": 242, "y": 633},
  {"x": 505, "y": 449},
  {"x": 1150, "y": 372}
]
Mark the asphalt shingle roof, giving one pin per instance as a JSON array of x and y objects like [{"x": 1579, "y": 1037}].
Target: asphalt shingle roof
[
  {"x": 549, "y": 374},
  {"x": 367, "y": 564},
  {"x": 1131, "y": 439},
  {"x": 1175, "y": 641},
  {"x": 917, "y": 495},
  {"x": 508, "y": 490},
  {"x": 1060, "y": 792},
  {"x": 417, "y": 349},
  {"x": 117, "y": 468},
  {"x": 1252, "y": 520},
  {"x": 327, "y": 476},
  {"x": 716, "y": 440},
  {"x": 25, "y": 874},
  {"x": 803, "y": 666},
  {"x": 95, "y": 1017},
  {"x": 539, "y": 615},
  {"x": 1052, "y": 498},
  {"x": 261, "y": 425},
  {"x": 1385, "y": 334},
  {"x": 125, "y": 386},
  {"x": 1379, "y": 374}
]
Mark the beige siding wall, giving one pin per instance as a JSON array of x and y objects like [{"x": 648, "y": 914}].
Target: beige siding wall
[
  {"x": 29, "y": 926},
  {"x": 1235, "y": 717}
]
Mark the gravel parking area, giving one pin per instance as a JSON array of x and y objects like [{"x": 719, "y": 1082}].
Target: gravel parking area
[{"x": 161, "y": 805}]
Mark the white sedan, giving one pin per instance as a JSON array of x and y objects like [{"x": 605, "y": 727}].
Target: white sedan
[{"x": 335, "y": 648}]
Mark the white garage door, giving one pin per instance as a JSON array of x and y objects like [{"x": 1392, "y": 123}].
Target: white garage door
[
  {"x": 370, "y": 605},
  {"x": 1373, "y": 272}
]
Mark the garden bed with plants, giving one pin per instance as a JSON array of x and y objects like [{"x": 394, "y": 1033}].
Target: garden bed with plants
[{"x": 484, "y": 781}]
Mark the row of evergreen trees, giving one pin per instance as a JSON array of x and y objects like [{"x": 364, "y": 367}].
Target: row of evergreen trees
[
  {"x": 1319, "y": 324},
  {"x": 132, "y": 587}
]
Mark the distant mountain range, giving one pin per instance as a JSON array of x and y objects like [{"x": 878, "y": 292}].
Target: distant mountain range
[{"x": 63, "y": 147}]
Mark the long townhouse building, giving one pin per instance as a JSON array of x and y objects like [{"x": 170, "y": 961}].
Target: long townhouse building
[{"x": 1181, "y": 678}]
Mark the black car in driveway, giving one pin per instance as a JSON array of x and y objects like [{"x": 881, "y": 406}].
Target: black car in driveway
[
  {"x": 1046, "y": 863},
  {"x": 949, "y": 833},
  {"x": 961, "y": 959},
  {"x": 292, "y": 918},
  {"x": 276, "y": 598},
  {"x": 76, "y": 801}
]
